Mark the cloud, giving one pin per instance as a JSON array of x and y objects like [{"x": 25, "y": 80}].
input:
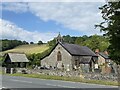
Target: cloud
[
  {"x": 78, "y": 16},
  {"x": 75, "y": 16},
  {"x": 55, "y": 0},
  {"x": 10, "y": 31},
  {"x": 15, "y": 7}
]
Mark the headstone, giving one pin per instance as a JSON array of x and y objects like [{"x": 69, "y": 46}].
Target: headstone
[
  {"x": 96, "y": 66},
  {"x": 81, "y": 76},
  {"x": 68, "y": 67},
  {"x": 115, "y": 67},
  {"x": 86, "y": 68}
]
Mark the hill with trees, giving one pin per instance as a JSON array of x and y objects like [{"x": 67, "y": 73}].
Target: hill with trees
[
  {"x": 6, "y": 44},
  {"x": 93, "y": 42}
]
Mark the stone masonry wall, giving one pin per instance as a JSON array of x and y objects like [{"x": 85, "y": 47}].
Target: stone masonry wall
[
  {"x": 51, "y": 60},
  {"x": 89, "y": 76}
]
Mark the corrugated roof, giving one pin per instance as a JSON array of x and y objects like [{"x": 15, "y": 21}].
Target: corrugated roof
[
  {"x": 18, "y": 57},
  {"x": 74, "y": 49}
]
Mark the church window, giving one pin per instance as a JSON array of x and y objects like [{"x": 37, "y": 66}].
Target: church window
[
  {"x": 59, "y": 57},
  {"x": 76, "y": 62}
]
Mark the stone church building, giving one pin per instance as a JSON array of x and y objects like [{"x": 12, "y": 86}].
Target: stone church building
[{"x": 70, "y": 57}]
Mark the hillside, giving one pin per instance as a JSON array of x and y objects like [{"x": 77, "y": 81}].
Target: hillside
[{"x": 29, "y": 49}]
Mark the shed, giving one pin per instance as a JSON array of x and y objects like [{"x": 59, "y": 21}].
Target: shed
[{"x": 15, "y": 60}]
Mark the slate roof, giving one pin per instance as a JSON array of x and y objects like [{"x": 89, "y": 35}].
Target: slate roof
[
  {"x": 74, "y": 49},
  {"x": 104, "y": 55},
  {"x": 17, "y": 57},
  {"x": 85, "y": 59}
]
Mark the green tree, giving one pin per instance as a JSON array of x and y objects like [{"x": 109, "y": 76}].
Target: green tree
[
  {"x": 52, "y": 42},
  {"x": 40, "y": 42},
  {"x": 96, "y": 42},
  {"x": 69, "y": 39},
  {"x": 31, "y": 42},
  {"x": 79, "y": 41},
  {"x": 111, "y": 26},
  {"x": 9, "y": 44},
  {"x": 24, "y": 42}
]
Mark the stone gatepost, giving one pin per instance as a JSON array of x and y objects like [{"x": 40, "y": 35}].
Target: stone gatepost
[
  {"x": 5, "y": 70},
  {"x": 11, "y": 71}
]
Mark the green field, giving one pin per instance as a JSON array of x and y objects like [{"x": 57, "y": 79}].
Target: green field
[{"x": 29, "y": 49}]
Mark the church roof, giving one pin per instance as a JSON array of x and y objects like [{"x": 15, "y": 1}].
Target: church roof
[
  {"x": 16, "y": 57},
  {"x": 74, "y": 49}
]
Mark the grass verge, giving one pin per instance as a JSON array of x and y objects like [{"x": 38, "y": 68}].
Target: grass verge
[{"x": 74, "y": 79}]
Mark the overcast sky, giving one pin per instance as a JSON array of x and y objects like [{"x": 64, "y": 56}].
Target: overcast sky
[{"x": 43, "y": 20}]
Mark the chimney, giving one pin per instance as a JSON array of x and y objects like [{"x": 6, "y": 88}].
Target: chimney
[
  {"x": 106, "y": 52},
  {"x": 97, "y": 51}
]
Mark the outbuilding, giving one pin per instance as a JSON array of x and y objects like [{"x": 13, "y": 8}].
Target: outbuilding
[{"x": 15, "y": 60}]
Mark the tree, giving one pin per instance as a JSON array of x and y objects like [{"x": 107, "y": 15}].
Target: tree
[
  {"x": 31, "y": 42},
  {"x": 40, "y": 42},
  {"x": 111, "y": 26},
  {"x": 24, "y": 42},
  {"x": 52, "y": 42},
  {"x": 9, "y": 44},
  {"x": 79, "y": 41},
  {"x": 93, "y": 42},
  {"x": 69, "y": 39}
]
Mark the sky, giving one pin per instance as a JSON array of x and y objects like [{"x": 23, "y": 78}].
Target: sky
[{"x": 34, "y": 21}]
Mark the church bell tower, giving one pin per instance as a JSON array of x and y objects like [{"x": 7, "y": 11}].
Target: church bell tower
[{"x": 59, "y": 38}]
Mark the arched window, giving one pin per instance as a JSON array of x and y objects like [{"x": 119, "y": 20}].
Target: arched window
[{"x": 59, "y": 57}]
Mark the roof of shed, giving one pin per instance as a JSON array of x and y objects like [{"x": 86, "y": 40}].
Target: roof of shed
[{"x": 17, "y": 57}]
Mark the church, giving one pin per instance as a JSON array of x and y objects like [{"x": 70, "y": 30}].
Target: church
[{"x": 70, "y": 57}]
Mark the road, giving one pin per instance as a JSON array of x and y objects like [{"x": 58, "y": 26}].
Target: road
[{"x": 24, "y": 82}]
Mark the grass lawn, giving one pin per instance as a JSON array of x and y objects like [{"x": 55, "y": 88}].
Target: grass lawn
[
  {"x": 29, "y": 49},
  {"x": 74, "y": 79}
]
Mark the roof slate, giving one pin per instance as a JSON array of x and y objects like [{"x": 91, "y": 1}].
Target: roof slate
[
  {"x": 17, "y": 57},
  {"x": 74, "y": 49},
  {"x": 85, "y": 60}
]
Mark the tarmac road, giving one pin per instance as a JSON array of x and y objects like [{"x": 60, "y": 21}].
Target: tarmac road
[{"x": 25, "y": 82}]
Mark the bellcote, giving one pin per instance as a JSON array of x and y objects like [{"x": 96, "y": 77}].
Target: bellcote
[{"x": 59, "y": 38}]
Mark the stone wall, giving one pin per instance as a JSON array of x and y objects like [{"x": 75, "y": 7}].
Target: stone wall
[
  {"x": 89, "y": 76},
  {"x": 51, "y": 60}
]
